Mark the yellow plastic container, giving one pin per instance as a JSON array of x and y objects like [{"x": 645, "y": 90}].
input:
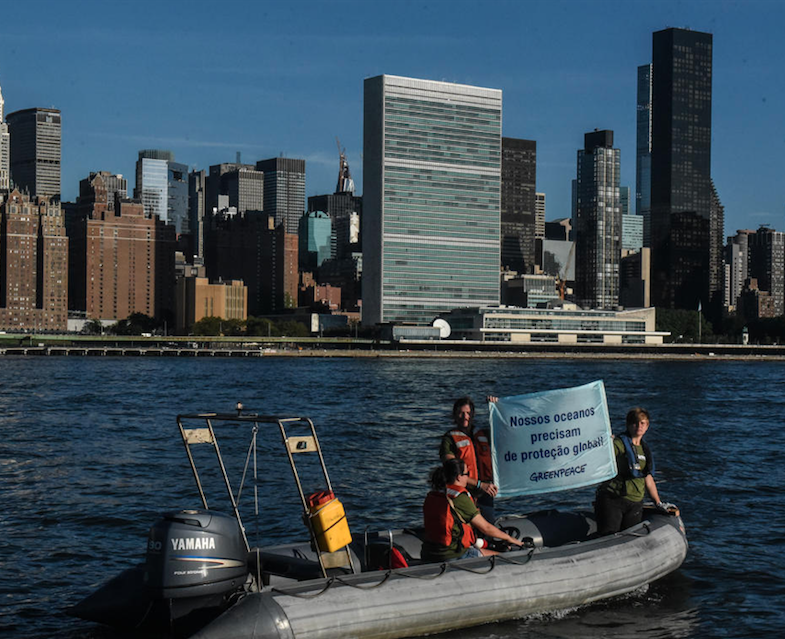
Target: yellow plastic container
[{"x": 330, "y": 526}]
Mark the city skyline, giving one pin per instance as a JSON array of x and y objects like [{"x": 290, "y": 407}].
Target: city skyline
[{"x": 267, "y": 80}]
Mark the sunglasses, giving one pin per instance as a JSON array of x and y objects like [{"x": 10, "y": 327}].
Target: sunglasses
[{"x": 463, "y": 474}]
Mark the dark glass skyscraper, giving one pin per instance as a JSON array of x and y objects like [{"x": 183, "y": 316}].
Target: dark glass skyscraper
[
  {"x": 643, "y": 152},
  {"x": 681, "y": 194},
  {"x": 518, "y": 217},
  {"x": 284, "y": 190}
]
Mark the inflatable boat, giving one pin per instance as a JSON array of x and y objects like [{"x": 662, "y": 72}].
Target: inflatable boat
[{"x": 202, "y": 579}]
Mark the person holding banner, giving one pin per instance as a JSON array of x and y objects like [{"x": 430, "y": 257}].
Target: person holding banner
[
  {"x": 451, "y": 517},
  {"x": 619, "y": 502},
  {"x": 473, "y": 446}
]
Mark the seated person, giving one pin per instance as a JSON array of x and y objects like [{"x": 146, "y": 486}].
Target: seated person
[{"x": 451, "y": 517}]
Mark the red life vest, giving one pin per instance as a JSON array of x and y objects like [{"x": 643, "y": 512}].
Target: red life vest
[
  {"x": 475, "y": 451},
  {"x": 440, "y": 518}
]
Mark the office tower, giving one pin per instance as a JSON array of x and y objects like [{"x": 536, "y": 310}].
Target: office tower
[
  {"x": 737, "y": 267},
  {"x": 197, "y": 298},
  {"x": 598, "y": 222},
  {"x": 249, "y": 247},
  {"x": 643, "y": 152},
  {"x": 284, "y": 190},
  {"x": 5, "y": 148},
  {"x": 35, "y": 138},
  {"x": 432, "y": 180},
  {"x": 33, "y": 264},
  {"x": 197, "y": 202},
  {"x": 767, "y": 265},
  {"x": 241, "y": 183},
  {"x": 681, "y": 168},
  {"x": 315, "y": 235},
  {"x": 152, "y": 182},
  {"x": 539, "y": 215},
  {"x": 518, "y": 205}
]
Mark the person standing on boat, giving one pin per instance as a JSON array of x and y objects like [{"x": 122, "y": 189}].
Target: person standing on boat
[
  {"x": 472, "y": 445},
  {"x": 619, "y": 502},
  {"x": 451, "y": 517}
]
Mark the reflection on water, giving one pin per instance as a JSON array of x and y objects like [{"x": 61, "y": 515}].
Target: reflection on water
[{"x": 89, "y": 455}]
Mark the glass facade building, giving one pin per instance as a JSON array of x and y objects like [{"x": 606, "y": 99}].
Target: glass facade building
[
  {"x": 518, "y": 204},
  {"x": 432, "y": 180},
  {"x": 681, "y": 193},
  {"x": 284, "y": 190},
  {"x": 152, "y": 182},
  {"x": 315, "y": 240}
]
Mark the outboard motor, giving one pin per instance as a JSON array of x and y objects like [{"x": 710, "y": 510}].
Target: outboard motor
[{"x": 195, "y": 554}]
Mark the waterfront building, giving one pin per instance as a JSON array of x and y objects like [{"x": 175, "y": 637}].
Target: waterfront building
[
  {"x": 122, "y": 261},
  {"x": 767, "y": 265},
  {"x": 197, "y": 298},
  {"x": 598, "y": 222},
  {"x": 5, "y": 148},
  {"x": 563, "y": 325},
  {"x": 716, "y": 253},
  {"x": 284, "y": 191},
  {"x": 432, "y": 179},
  {"x": 250, "y": 247},
  {"x": 35, "y": 146},
  {"x": 33, "y": 263},
  {"x": 643, "y": 151},
  {"x": 518, "y": 205},
  {"x": 681, "y": 194}
]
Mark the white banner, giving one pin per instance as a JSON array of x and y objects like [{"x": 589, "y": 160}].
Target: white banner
[{"x": 553, "y": 440}]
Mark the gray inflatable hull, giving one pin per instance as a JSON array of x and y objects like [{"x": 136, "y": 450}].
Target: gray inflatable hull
[{"x": 435, "y": 598}]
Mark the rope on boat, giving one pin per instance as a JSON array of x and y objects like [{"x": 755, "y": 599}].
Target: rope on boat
[
  {"x": 491, "y": 562},
  {"x": 443, "y": 569},
  {"x": 387, "y": 575},
  {"x": 529, "y": 555},
  {"x": 329, "y": 583}
]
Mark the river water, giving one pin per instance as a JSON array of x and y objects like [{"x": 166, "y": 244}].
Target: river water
[{"x": 90, "y": 455}]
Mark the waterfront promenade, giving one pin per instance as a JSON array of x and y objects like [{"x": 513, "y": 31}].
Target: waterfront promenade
[{"x": 161, "y": 346}]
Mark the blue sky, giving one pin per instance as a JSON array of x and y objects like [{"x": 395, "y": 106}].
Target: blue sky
[{"x": 265, "y": 78}]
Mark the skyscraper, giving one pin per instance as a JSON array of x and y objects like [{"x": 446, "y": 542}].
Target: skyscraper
[
  {"x": 681, "y": 199},
  {"x": 5, "y": 148},
  {"x": 598, "y": 222},
  {"x": 767, "y": 264},
  {"x": 643, "y": 152},
  {"x": 432, "y": 180},
  {"x": 518, "y": 204},
  {"x": 284, "y": 191},
  {"x": 35, "y": 151}
]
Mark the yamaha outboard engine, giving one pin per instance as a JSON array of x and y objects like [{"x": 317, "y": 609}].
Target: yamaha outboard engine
[{"x": 195, "y": 560}]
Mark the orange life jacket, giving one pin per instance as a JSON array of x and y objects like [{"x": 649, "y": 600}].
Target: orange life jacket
[
  {"x": 439, "y": 518},
  {"x": 475, "y": 451}
]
